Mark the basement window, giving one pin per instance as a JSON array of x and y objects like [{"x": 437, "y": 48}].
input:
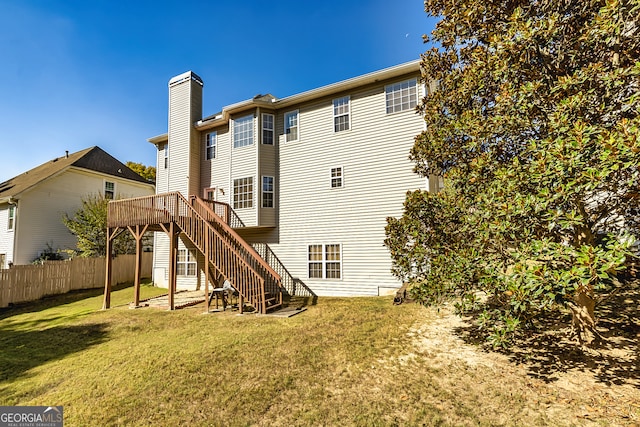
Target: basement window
[{"x": 325, "y": 261}]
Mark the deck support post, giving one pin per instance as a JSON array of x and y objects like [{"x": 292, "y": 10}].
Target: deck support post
[
  {"x": 173, "y": 264},
  {"x": 207, "y": 249},
  {"x": 138, "y": 233}
]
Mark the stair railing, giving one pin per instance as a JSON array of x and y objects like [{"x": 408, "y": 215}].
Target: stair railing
[{"x": 273, "y": 280}]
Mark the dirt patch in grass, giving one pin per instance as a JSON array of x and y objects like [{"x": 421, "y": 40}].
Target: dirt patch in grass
[
  {"x": 547, "y": 371},
  {"x": 573, "y": 395}
]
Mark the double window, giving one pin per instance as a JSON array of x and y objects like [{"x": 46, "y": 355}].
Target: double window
[
  {"x": 267, "y": 129},
  {"x": 336, "y": 177},
  {"x": 186, "y": 265},
  {"x": 243, "y": 193},
  {"x": 211, "y": 145},
  {"x": 267, "y": 191},
  {"x": 341, "y": 114},
  {"x": 243, "y": 131},
  {"x": 109, "y": 190},
  {"x": 325, "y": 261},
  {"x": 12, "y": 217},
  {"x": 401, "y": 96},
  {"x": 291, "y": 126}
]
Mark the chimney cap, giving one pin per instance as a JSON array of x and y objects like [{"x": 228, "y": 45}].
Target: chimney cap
[{"x": 189, "y": 75}]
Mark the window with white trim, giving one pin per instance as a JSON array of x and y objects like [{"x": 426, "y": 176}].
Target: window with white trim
[
  {"x": 109, "y": 190},
  {"x": 325, "y": 261},
  {"x": 243, "y": 193},
  {"x": 341, "y": 116},
  {"x": 336, "y": 177},
  {"x": 267, "y": 191},
  {"x": 166, "y": 156},
  {"x": 401, "y": 96},
  {"x": 3, "y": 259},
  {"x": 211, "y": 145},
  {"x": 243, "y": 131},
  {"x": 267, "y": 129},
  {"x": 291, "y": 126},
  {"x": 186, "y": 264},
  {"x": 12, "y": 217}
]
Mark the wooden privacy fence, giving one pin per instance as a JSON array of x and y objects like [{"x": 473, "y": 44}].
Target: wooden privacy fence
[{"x": 23, "y": 283}]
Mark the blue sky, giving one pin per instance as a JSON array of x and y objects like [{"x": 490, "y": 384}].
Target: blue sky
[{"x": 76, "y": 74}]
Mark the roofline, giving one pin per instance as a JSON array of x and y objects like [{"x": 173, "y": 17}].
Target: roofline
[
  {"x": 158, "y": 139},
  {"x": 374, "y": 77},
  {"x": 224, "y": 116}
]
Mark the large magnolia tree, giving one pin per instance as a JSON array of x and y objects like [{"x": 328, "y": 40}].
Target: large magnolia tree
[{"x": 534, "y": 126}]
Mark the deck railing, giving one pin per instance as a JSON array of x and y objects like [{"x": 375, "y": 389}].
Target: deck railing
[{"x": 224, "y": 211}]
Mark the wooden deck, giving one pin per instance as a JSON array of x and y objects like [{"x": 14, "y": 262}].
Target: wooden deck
[{"x": 205, "y": 225}]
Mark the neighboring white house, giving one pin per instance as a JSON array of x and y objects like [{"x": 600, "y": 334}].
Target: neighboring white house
[
  {"x": 33, "y": 203},
  {"x": 313, "y": 175}
]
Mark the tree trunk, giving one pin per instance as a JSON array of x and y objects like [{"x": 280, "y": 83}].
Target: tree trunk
[{"x": 584, "y": 319}]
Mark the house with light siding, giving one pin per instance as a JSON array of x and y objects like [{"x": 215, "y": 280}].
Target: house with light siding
[
  {"x": 312, "y": 177},
  {"x": 33, "y": 203},
  {"x": 280, "y": 196}
]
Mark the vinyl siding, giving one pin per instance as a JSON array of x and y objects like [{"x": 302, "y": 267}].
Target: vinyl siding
[
  {"x": 268, "y": 166},
  {"x": 161, "y": 263},
  {"x": 376, "y": 175},
  {"x": 162, "y": 173},
  {"x": 6, "y": 236},
  {"x": 184, "y": 144},
  {"x": 42, "y": 209},
  {"x": 215, "y": 172}
]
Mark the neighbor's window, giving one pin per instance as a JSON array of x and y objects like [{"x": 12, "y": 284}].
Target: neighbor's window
[
  {"x": 267, "y": 129},
  {"x": 109, "y": 190},
  {"x": 402, "y": 96},
  {"x": 3, "y": 259},
  {"x": 291, "y": 126},
  {"x": 186, "y": 265},
  {"x": 243, "y": 131},
  {"x": 336, "y": 177},
  {"x": 12, "y": 217},
  {"x": 341, "y": 114},
  {"x": 211, "y": 145},
  {"x": 243, "y": 193},
  {"x": 267, "y": 191},
  {"x": 325, "y": 261}
]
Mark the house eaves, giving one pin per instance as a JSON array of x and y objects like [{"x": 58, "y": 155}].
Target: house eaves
[{"x": 269, "y": 101}]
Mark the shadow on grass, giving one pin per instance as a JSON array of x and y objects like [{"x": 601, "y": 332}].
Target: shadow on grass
[
  {"x": 553, "y": 349},
  {"x": 23, "y": 350},
  {"x": 49, "y": 301}
]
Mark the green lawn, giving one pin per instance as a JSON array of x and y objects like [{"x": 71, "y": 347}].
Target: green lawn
[{"x": 342, "y": 362}]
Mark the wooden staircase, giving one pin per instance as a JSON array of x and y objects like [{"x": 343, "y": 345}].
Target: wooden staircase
[{"x": 227, "y": 254}]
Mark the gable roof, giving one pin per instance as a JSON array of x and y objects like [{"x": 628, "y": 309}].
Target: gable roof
[{"x": 93, "y": 158}]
